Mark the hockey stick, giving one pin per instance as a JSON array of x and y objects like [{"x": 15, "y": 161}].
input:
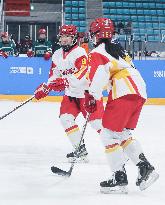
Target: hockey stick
[
  {"x": 17, "y": 107},
  {"x": 61, "y": 172}
]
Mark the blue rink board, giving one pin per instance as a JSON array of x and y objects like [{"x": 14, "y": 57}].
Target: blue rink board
[{"x": 21, "y": 75}]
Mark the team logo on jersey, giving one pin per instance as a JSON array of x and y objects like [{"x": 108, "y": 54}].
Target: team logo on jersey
[{"x": 68, "y": 71}]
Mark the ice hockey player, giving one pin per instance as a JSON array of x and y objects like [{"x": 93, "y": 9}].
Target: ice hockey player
[
  {"x": 7, "y": 46},
  {"x": 126, "y": 98},
  {"x": 68, "y": 72},
  {"x": 42, "y": 47},
  {"x": 25, "y": 46}
]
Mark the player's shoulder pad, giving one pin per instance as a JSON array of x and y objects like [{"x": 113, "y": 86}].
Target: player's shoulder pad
[
  {"x": 57, "y": 53},
  {"x": 79, "y": 51}
]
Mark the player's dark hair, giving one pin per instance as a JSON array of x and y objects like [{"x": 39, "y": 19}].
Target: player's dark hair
[{"x": 115, "y": 50}]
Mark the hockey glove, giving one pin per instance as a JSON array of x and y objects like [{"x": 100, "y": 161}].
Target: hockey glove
[
  {"x": 30, "y": 53},
  {"x": 42, "y": 91},
  {"x": 90, "y": 103},
  {"x": 47, "y": 56},
  {"x": 3, "y": 54},
  {"x": 59, "y": 84}
]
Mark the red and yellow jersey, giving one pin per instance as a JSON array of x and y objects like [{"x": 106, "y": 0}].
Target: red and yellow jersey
[
  {"x": 73, "y": 66},
  {"x": 119, "y": 75}
]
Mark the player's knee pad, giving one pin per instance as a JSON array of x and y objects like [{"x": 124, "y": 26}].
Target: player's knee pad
[
  {"x": 113, "y": 149},
  {"x": 96, "y": 124},
  {"x": 125, "y": 137},
  {"x": 109, "y": 137},
  {"x": 67, "y": 120},
  {"x": 131, "y": 146}
]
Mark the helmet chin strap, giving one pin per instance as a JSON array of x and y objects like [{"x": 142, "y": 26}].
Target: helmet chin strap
[{"x": 67, "y": 48}]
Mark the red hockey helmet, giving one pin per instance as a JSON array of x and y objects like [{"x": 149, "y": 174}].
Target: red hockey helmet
[
  {"x": 42, "y": 31},
  {"x": 101, "y": 28},
  {"x": 68, "y": 30}
]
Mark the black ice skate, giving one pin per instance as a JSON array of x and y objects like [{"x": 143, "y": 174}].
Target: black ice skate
[
  {"x": 147, "y": 175},
  {"x": 117, "y": 184},
  {"x": 79, "y": 155}
]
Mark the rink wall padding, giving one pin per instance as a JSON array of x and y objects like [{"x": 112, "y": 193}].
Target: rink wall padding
[
  {"x": 21, "y": 98},
  {"x": 20, "y": 76}
]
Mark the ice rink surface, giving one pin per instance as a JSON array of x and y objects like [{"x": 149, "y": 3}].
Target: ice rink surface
[{"x": 32, "y": 140}]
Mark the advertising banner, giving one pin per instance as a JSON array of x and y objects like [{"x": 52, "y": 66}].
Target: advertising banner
[{"x": 21, "y": 75}]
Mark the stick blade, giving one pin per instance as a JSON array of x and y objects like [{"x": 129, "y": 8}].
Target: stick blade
[{"x": 60, "y": 172}]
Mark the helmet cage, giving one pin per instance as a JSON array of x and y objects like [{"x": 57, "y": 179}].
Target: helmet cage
[{"x": 68, "y": 30}]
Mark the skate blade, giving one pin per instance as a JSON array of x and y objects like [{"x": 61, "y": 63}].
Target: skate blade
[
  {"x": 114, "y": 190},
  {"x": 152, "y": 178},
  {"x": 78, "y": 160}
]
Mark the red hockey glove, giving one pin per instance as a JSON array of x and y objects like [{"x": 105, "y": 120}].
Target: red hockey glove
[
  {"x": 47, "y": 56},
  {"x": 41, "y": 91},
  {"x": 3, "y": 54},
  {"x": 59, "y": 84},
  {"x": 30, "y": 53},
  {"x": 90, "y": 103}
]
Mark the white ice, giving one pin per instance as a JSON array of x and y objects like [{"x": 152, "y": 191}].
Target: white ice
[{"x": 32, "y": 140}]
